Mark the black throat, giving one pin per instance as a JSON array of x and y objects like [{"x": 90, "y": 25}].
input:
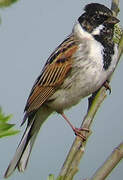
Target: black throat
[{"x": 108, "y": 50}]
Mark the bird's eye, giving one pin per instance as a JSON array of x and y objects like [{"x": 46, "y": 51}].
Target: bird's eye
[
  {"x": 103, "y": 17},
  {"x": 100, "y": 18},
  {"x": 97, "y": 17}
]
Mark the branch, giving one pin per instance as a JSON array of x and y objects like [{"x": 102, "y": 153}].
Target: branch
[
  {"x": 109, "y": 164},
  {"x": 70, "y": 166},
  {"x": 114, "y": 7}
]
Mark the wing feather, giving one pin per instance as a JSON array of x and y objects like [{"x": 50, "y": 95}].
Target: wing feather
[{"x": 53, "y": 74}]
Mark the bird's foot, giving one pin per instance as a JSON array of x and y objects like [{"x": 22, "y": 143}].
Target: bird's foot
[{"x": 79, "y": 132}]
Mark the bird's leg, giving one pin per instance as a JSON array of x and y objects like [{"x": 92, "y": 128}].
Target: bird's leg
[
  {"x": 107, "y": 86},
  {"x": 77, "y": 131}
]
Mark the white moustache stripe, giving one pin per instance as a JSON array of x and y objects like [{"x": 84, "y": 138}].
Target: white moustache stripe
[{"x": 97, "y": 30}]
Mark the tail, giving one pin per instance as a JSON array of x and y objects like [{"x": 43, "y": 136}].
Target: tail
[{"x": 24, "y": 148}]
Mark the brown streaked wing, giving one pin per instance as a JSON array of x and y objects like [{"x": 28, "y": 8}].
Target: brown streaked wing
[{"x": 51, "y": 78}]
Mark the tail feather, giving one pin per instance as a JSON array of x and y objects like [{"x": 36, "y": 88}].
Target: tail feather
[
  {"x": 13, "y": 164},
  {"x": 26, "y": 154},
  {"x": 22, "y": 154}
]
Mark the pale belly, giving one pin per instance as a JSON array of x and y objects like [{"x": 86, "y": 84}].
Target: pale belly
[{"x": 75, "y": 88}]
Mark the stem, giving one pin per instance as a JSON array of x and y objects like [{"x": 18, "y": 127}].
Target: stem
[
  {"x": 109, "y": 164},
  {"x": 114, "y": 7}
]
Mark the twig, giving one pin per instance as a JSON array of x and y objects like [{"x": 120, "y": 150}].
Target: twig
[
  {"x": 109, "y": 164},
  {"x": 114, "y": 7}
]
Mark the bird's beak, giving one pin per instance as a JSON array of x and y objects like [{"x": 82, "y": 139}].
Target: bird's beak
[{"x": 112, "y": 20}]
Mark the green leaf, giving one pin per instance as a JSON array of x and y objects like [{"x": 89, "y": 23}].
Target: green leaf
[
  {"x": 60, "y": 178},
  {"x": 4, "y": 118},
  {"x": 6, "y": 129},
  {"x": 51, "y": 177},
  {"x": 6, "y": 3},
  {"x": 5, "y": 126},
  {"x": 118, "y": 31},
  {"x": 9, "y": 133}
]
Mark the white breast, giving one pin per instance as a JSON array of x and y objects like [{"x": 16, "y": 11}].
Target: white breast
[{"x": 87, "y": 74}]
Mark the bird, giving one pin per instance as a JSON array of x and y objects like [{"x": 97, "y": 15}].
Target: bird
[{"x": 77, "y": 68}]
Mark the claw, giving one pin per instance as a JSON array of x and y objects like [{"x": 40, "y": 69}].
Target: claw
[{"x": 107, "y": 86}]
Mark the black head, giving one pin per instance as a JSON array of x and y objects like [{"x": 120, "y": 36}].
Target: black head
[
  {"x": 95, "y": 8},
  {"x": 96, "y": 15},
  {"x": 99, "y": 21}
]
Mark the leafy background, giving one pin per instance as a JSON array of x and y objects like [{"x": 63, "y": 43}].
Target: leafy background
[{"x": 29, "y": 32}]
